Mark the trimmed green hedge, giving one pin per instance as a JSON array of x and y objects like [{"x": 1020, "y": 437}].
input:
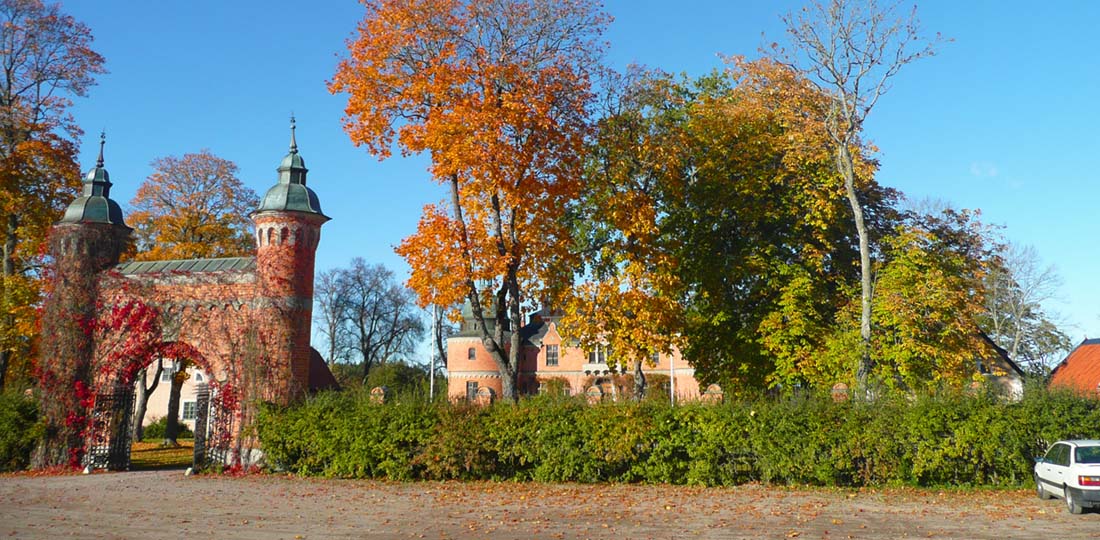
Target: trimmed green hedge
[
  {"x": 19, "y": 430},
  {"x": 974, "y": 440}
]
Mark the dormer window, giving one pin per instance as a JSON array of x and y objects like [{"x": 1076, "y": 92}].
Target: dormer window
[{"x": 551, "y": 355}]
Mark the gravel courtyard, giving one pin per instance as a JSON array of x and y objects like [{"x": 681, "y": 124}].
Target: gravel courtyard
[{"x": 166, "y": 504}]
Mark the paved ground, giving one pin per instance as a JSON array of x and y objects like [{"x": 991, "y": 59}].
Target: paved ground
[{"x": 166, "y": 504}]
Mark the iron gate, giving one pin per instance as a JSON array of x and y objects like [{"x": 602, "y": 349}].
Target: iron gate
[
  {"x": 110, "y": 430},
  {"x": 213, "y": 428}
]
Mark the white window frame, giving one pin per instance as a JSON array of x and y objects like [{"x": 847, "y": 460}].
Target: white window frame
[
  {"x": 556, "y": 356},
  {"x": 183, "y": 410}
]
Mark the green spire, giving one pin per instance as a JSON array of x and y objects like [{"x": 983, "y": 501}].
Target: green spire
[
  {"x": 290, "y": 192},
  {"x": 95, "y": 204},
  {"x": 293, "y": 168}
]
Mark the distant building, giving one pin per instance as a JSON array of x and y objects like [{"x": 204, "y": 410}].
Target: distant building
[
  {"x": 551, "y": 363},
  {"x": 1080, "y": 371},
  {"x": 157, "y": 407},
  {"x": 996, "y": 366}
]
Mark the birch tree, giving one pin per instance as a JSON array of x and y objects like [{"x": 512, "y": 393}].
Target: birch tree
[{"x": 853, "y": 50}]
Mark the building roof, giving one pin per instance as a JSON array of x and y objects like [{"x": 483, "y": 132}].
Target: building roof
[
  {"x": 290, "y": 192},
  {"x": 1081, "y": 368},
  {"x": 320, "y": 377},
  {"x": 95, "y": 204},
  {"x": 533, "y": 333},
  {"x": 1002, "y": 354},
  {"x": 225, "y": 264}
]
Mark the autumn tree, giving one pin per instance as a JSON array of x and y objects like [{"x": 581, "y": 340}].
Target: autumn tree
[
  {"x": 192, "y": 206},
  {"x": 627, "y": 301},
  {"x": 853, "y": 50},
  {"x": 497, "y": 92},
  {"x": 47, "y": 59},
  {"x": 765, "y": 255},
  {"x": 931, "y": 294}
]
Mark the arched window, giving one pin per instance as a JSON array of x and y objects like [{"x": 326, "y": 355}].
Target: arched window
[
  {"x": 270, "y": 236},
  {"x": 471, "y": 354},
  {"x": 282, "y": 236}
]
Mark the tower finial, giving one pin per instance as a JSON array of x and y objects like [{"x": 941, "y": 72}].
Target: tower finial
[
  {"x": 102, "y": 141},
  {"x": 293, "y": 141}
]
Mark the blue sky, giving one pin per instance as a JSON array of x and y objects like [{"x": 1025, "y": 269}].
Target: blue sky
[{"x": 1004, "y": 119}]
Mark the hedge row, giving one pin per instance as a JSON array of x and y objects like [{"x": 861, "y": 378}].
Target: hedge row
[
  {"x": 19, "y": 430},
  {"x": 976, "y": 440}
]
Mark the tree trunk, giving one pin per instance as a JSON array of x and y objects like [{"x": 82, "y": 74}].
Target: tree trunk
[
  {"x": 515, "y": 354},
  {"x": 493, "y": 343},
  {"x": 437, "y": 336},
  {"x": 141, "y": 400},
  {"x": 846, "y": 167},
  {"x": 7, "y": 324},
  {"x": 172, "y": 428},
  {"x": 639, "y": 381},
  {"x": 5, "y": 357}
]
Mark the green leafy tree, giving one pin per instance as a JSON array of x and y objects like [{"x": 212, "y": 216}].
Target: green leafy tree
[
  {"x": 764, "y": 254},
  {"x": 930, "y": 297}
]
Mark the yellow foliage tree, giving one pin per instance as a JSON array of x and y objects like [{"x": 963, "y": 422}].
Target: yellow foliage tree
[
  {"x": 46, "y": 59},
  {"x": 192, "y": 206}
]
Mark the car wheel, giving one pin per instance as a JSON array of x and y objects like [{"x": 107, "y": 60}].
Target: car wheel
[
  {"x": 1072, "y": 503},
  {"x": 1042, "y": 491}
]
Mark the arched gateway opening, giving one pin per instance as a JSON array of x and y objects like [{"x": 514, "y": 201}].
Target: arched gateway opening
[
  {"x": 113, "y": 399},
  {"x": 129, "y": 338}
]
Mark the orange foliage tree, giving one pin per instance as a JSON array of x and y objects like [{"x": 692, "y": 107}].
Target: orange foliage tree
[
  {"x": 46, "y": 58},
  {"x": 497, "y": 92},
  {"x": 192, "y": 206}
]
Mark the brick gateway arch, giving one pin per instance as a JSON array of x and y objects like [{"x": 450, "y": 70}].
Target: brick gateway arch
[{"x": 244, "y": 320}]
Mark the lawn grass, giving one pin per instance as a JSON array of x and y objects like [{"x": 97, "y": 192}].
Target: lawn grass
[{"x": 153, "y": 455}]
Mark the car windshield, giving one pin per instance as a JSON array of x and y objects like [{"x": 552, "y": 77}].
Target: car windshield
[{"x": 1087, "y": 454}]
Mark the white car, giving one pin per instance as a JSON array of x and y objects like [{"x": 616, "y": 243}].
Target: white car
[{"x": 1070, "y": 470}]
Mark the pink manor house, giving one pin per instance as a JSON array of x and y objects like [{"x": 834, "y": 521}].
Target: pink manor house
[{"x": 549, "y": 361}]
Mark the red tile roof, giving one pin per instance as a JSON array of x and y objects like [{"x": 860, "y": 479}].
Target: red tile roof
[{"x": 1081, "y": 369}]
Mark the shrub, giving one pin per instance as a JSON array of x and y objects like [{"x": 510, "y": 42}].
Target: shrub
[
  {"x": 950, "y": 439},
  {"x": 19, "y": 430},
  {"x": 155, "y": 430}
]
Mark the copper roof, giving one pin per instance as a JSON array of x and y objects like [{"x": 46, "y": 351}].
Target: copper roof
[
  {"x": 1081, "y": 369},
  {"x": 225, "y": 264}
]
